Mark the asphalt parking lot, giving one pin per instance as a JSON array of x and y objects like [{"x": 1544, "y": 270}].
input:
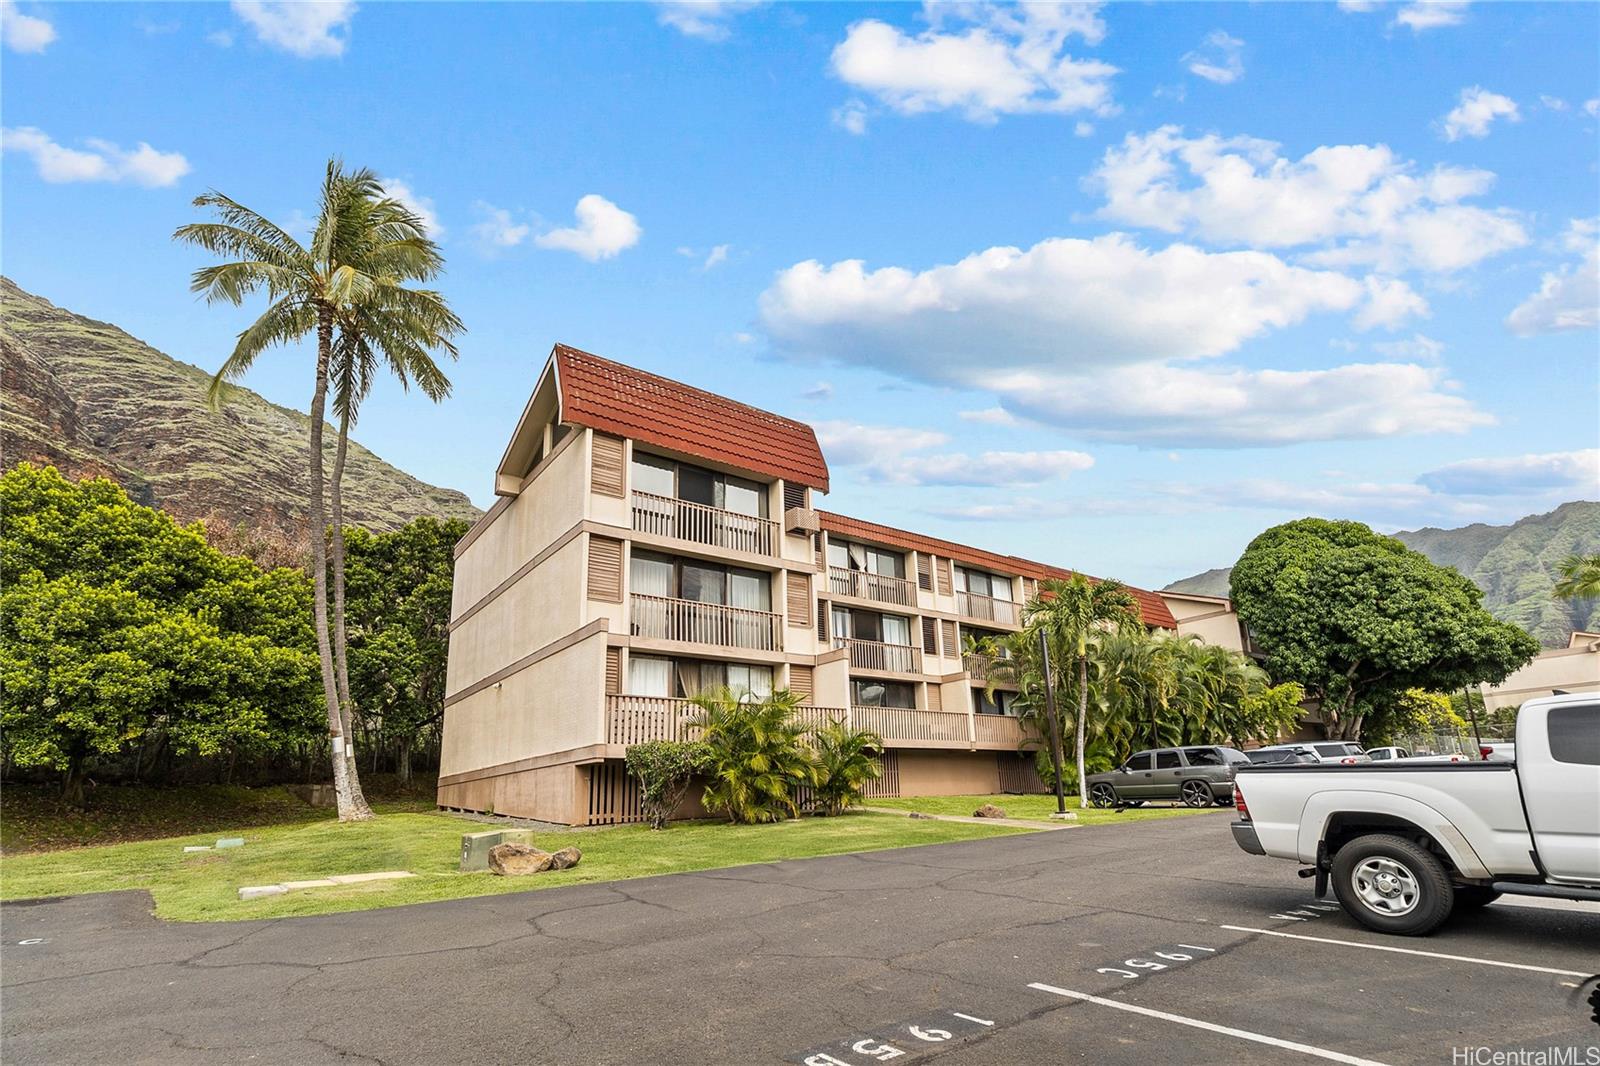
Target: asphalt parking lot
[{"x": 1153, "y": 942}]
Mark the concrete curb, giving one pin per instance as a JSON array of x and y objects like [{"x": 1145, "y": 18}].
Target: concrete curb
[{"x": 261, "y": 891}]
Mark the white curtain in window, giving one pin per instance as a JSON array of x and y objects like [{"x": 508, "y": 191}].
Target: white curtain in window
[
  {"x": 744, "y": 497},
  {"x": 649, "y": 576},
  {"x": 896, "y": 630},
  {"x": 649, "y": 676},
  {"x": 1001, "y": 587},
  {"x": 755, "y": 681},
  {"x": 751, "y": 589},
  {"x": 655, "y": 476}
]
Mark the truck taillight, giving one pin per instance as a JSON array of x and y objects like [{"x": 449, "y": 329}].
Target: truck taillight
[
  {"x": 1484, "y": 751},
  {"x": 1238, "y": 803}
]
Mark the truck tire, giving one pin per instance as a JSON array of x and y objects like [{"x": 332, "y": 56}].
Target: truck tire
[
  {"x": 1471, "y": 897},
  {"x": 1389, "y": 884}
]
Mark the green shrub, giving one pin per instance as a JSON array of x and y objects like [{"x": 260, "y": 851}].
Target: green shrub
[
  {"x": 756, "y": 758},
  {"x": 664, "y": 769},
  {"x": 846, "y": 759}
]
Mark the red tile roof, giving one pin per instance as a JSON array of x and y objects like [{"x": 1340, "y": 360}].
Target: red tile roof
[
  {"x": 608, "y": 396},
  {"x": 1153, "y": 609}
]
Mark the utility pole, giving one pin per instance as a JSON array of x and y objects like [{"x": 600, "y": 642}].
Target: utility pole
[{"x": 1055, "y": 726}]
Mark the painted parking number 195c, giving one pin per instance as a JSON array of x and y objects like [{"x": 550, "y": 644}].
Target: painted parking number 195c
[{"x": 1133, "y": 969}]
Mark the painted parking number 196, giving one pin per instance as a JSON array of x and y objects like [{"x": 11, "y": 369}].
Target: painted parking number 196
[
  {"x": 1136, "y": 968},
  {"x": 883, "y": 1051}
]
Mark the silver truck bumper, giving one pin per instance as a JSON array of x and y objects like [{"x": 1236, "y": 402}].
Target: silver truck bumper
[{"x": 1244, "y": 835}]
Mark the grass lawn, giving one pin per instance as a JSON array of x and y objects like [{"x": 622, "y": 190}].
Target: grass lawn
[
  {"x": 1033, "y": 807},
  {"x": 203, "y": 886}
]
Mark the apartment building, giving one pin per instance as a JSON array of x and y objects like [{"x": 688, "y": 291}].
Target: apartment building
[{"x": 652, "y": 541}]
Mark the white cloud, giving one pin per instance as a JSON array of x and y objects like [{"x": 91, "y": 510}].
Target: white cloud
[
  {"x": 822, "y": 390},
  {"x": 1552, "y": 103},
  {"x": 1551, "y": 473},
  {"x": 421, "y": 206},
  {"x": 854, "y": 444},
  {"x": 1083, "y": 129},
  {"x": 705, "y": 19},
  {"x": 310, "y": 29},
  {"x": 1476, "y": 112},
  {"x": 1419, "y": 347},
  {"x": 851, "y": 117},
  {"x": 997, "y": 469},
  {"x": 603, "y": 230},
  {"x": 1358, "y": 6},
  {"x": 498, "y": 228},
  {"x": 24, "y": 33},
  {"x": 1171, "y": 406},
  {"x": 1220, "y": 58},
  {"x": 102, "y": 161},
  {"x": 1592, "y": 107},
  {"x": 220, "y": 38},
  {"x": 990, "y": 416},
  {"x": 1345, "y": 204},
  {"x": 716, "y": 256},
  {"x": 1431, "y": 14},
  {"x": 981, "y": 60},
  {"x": 1568, "y": 298}
]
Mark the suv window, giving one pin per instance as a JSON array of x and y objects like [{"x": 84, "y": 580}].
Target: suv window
[
  {"x": 1140, "y": 761},
  {"x": 1203, "y": 756},
  {"x": 1334, "y": 751},
  {"x": 1167, "y": 760},
  {"x": 1575, "y": 734},
  {"x": 1268, "y": 756}
]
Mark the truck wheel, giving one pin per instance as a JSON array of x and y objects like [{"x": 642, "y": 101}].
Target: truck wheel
[
  {"x": 1389, "y": 884},
  {"x": 1102, "y": 795},
  {"x": 1471, "y": 897},
  {"x": 1197, "y": 794}
]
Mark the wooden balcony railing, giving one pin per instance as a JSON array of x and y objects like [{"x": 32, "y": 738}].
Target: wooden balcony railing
[
  {"x": 999, "y": 729},
  {"x": 665, "y": 516},
  {"x": 880, "y": 587},
  {"x": 871, "y": 655},
  {"x": 972, "y": 605},
  {"x": 906, "y": 727},
  {"x": 638, "y": 719},
  {"x": 665, "y": 618}
]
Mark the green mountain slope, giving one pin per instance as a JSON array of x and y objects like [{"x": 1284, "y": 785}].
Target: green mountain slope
[
  {"x": 90, "y": 399},
  {"x": 1514, "y": 565}
]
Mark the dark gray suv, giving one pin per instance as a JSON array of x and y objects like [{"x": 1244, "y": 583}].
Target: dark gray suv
[{"x": 1199, "y": 776}]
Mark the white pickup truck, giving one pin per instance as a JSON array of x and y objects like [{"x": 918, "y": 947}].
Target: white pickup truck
[{"x": 1405, "y": 843}]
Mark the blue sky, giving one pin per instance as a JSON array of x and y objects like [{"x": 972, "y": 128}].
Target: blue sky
[{"x": 1112, "y": 287}]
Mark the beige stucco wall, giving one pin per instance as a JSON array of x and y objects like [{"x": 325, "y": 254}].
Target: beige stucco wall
[
  {"x": 542, "y": 606},
  {"x": 1568, "y": 669},
  {"x": 1212, "y": 620},
  {"x": 938, "y": 773}
]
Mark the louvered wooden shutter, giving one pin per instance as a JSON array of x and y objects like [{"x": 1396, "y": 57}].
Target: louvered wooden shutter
[
  {"x": 944, "y": 576},
  {"x": 935, "y": 698},
  {"x": 924, "y": 572},
  {"x": 613, "y": 671},
  {"x": 801, "y": 682},
  {"x": 794, "y": 495},
  {"x": 605, "y": 569},
  {"x": 930, "y": 636},
  {"x": 1030, "y": 589},
  {"x": 822, "y": 621},
  {"x": 947, "y": 629},
  {"x": 606, "y": 462},
  {"x": 799, "y": 598}
]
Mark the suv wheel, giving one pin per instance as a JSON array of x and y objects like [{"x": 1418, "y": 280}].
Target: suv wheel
[
  {"x": 1197, "y": 794},
  {"x": 1102, "y": 795},
  {"x": 1389, "y": 884}
]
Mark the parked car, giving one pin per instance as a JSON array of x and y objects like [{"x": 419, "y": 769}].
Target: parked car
[
  {"x": 1499, "y": 751},
  {"x": 1396, "y": 754},
  {"x": 1282, "y": 754},
  {"x": 1403, "y": 844},
  {"x": 1200, "y": 776},
  {"x": 1338, "y": 751}
]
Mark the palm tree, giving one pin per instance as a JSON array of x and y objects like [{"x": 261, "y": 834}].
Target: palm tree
[
  {"x": 1580, "y": 578},
  {"x": 846, "y": 759},
  {"x": 309, "y": 289},
  {"x": 755, "y": 756},
  {"x": 1073, "y": 614}
]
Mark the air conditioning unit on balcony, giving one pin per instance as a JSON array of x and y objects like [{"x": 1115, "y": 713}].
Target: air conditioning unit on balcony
[{"x": 801, "y": 520}]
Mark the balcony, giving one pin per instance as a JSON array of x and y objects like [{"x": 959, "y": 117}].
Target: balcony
[
  {"x": 663, "y": 516},
  {"x": 988, "y": 609},
  {"x": 999, "y": 731},
  {"x": 891, "y": 658},
  {"x": 664, "y": 618},
  {"x": 865, "y": 586},
  {"x": 638, "y": 719},
  {"x": 907, "y": 727}
]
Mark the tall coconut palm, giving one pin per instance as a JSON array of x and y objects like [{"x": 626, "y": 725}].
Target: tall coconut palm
[
  {"x": 308, "y": 287},
  {"x": 1580, "y": 578},
  {"x": 1073, "y": 614}
]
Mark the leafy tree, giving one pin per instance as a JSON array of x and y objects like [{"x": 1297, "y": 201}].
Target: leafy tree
[
  {"x": 846, "y": 760},
  {"x": 1358, "y": 618},
  {"x": 665, "y": 769},
  {"x": 1580, "y": 578},
  {"x": 1418, "y": 713},
  {"x": 116, "y": 623},
  {"x": 399, "y": 617},
  {"x": 756, "y": 757}
]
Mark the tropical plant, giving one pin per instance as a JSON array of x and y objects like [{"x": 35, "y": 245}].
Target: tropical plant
[
  {"x": 665, "y": 769},
  {"x": 756, "y": 756},
  {"x": 1417, "y": 713},
  {"x": 1580, "y": 578},
  {"x": 312, "y": 290},
  {"x": 1073, "y": 615},
  {"x": 846, "y": 761},
  {"x": 1358, "y": 618}
]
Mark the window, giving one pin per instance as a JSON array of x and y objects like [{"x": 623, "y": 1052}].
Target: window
[
  {"x": 882, "y": 694},
  {"x": 674, "y": 480},
  {"x": 854, "y": 624},
  {"x": 1000, "y": 703},
  {"x": 655, "y": 476},
  {"x": 1167, "y": 760},
  {"x": 688, "y": 579},
  {"x": 1203, "y": 756},
  {"x": 649, "y": 676},
  {"x": 1336, "y": 751},
  {"x": 1575, "y": 734},
  {"x": 847, "y": 555},
  {"x": 982, "y": 583},
  {"x": 1141, "y": 761}
]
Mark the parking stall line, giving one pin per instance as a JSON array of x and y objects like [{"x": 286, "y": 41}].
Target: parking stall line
[
  {"x": 1407, "y": 951},
  {"x": 1225, "y": 1030}
]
